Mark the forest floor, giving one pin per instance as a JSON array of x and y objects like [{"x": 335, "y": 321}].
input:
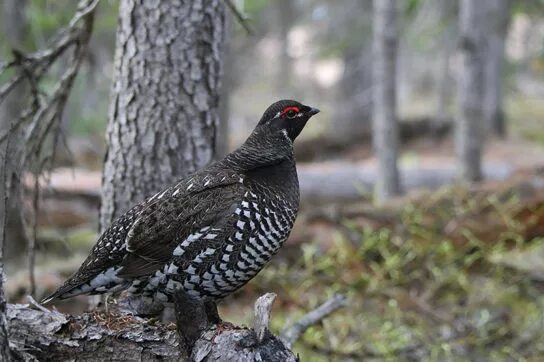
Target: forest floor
[{"x": 452, "y": 273}]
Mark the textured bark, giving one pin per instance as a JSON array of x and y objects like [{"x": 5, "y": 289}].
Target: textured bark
[
  {"x": 5, "y": 353},
  {"x": 384, "y": 119},
  {"x": 497, "y": 15},
  {"x": 469, "y": 132},
  {"x": 40, "y": 335},
  {"x": 14, "y": 27},
  {"x": 164, "y": 110},
  {"x": 52, "y": 336},
  {"x": 227, "y": 85}
]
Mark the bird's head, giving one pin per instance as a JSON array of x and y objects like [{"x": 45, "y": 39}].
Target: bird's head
[{"x": 286, "y": 116}]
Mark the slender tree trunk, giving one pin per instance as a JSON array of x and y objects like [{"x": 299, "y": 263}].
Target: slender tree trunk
[
  {"x": 497, "y": 15},
  {"x": 384, "y": 121},
  {"x": 469, "y": 131},
  {"x": 354, "y": 110},
  {"x": 164, "y": 110},
  {"x": 446, "y": 44},
  {"x": 286, "y": 15},
  {"x": 14, "y": 26},
  {"x": 355, "y": 97}
]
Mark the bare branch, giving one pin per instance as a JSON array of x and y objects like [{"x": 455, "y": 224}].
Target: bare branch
[
  {"x": 42, "y": 115},
  {"x": 33, "y": 236},
  {"x": 37, "y": 305},
  {"x": 291, "y": 334}
]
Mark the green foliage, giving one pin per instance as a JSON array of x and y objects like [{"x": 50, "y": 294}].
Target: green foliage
[
  {"x": 415, "y": 293},
  {"x": 411, "y": 6},
  {"x": 525, "y": 117},
  {"x": 253, "y": 7},
  {"x": 532, "y": 7},
  {"x": 44, "y": 18}
]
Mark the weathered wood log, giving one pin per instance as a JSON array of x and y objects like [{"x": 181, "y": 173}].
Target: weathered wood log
[
  {"x": 37, "y": 335},
  {"x": 42, "y": 335}
]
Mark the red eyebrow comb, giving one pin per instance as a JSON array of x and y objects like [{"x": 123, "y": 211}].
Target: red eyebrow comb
[{"x": 292, "y": 108}]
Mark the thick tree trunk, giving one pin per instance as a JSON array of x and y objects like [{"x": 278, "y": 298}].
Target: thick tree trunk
[
  {"x": 497, "y": 16},
  {"x": 384, "y": 121},
  {"x": 227, "y": 85},
  {"x": 469, "y": 132},
  {"x": 164, "y": 110},
  {"x": 14, "y": 26}
]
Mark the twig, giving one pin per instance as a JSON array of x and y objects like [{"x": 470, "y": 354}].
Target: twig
[
  {"x": 37, "y": 305},
  {"x": 262, "y": 309},
  {"x": 33, "y": 236},
  {"x": 291, "y": 334},
  {"x": 238, "y": 15},
  {"x": 43, "y": 114}
]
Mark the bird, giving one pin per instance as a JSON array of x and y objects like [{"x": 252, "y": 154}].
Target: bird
[{"x": 210, "y": 232}]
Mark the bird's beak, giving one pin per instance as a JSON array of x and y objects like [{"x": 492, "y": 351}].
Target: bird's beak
[{"x": 312, "y": 111}]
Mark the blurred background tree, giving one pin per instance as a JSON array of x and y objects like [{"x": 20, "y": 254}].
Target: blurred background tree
[{"x": 15, "y": 26}]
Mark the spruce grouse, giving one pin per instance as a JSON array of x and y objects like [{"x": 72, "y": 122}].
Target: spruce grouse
[{"x": 212, "y": 231}]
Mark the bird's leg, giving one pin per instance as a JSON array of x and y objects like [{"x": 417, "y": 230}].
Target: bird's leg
[
  {"x": 210, "y": 307},
  {"x": 211, "y": 311},
  {"x": 191, "y": 317}
]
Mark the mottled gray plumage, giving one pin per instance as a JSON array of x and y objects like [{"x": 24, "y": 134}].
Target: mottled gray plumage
[{"x": 212, "y": 231}]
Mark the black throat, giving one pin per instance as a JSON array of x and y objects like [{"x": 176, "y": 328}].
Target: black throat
[{"x": 261, "y": 150}]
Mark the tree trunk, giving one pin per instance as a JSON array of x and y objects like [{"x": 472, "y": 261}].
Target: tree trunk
[
  {"x": 354, "y": 114},
  {"x": 354, "y": 103},
  {"x": 285, "y": 11},
  {"x": 227, "y": 86},
  {"x": 14, "y": 26},
  {"x": 164, "y": 111},
  {"x": 443, "y": 81},
  {"x": 469, "y": 131},
  {"x": 497, "y": 16},
  {"x": 384, "y": 122}
]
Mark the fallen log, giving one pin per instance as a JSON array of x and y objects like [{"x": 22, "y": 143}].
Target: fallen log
[{"x": 38, "y": 334}]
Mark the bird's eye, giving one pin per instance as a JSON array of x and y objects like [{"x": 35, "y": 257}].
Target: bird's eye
[{"x": 291, "y": 113}]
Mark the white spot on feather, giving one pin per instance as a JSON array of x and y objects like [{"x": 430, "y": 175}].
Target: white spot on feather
[{"x": 172, "y": 269}]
